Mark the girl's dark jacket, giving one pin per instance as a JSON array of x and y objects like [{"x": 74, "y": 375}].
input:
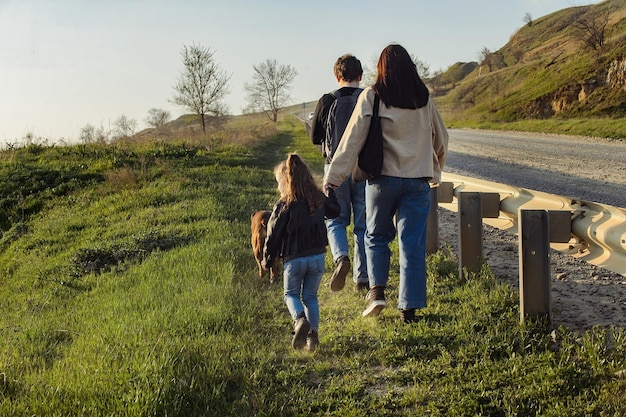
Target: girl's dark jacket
[{"x": 292, "y": 232}]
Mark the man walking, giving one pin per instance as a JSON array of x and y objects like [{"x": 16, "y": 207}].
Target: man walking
[{"x": 329, "y": 121}]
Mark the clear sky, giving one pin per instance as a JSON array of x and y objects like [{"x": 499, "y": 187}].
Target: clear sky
[{"x": 68, "y": 63}]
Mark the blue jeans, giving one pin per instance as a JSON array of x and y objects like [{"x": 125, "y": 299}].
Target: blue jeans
[
  {"x": 351, "y": 197},
  {"x": 301, "y": 282},
  {"x": 409, "y": 199}
]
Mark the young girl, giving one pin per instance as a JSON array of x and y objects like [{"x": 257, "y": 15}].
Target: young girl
[{"x": 296, "y": 232}]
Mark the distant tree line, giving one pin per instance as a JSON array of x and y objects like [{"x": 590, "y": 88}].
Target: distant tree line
[
  {"x": 201, "y": 89},
  {"x": 203, "y": 85}
]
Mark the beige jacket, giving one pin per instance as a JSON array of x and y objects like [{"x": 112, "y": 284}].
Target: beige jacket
[{"x": 415, "y": 141}]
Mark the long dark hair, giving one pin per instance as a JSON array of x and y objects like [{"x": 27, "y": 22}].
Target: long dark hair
[{"x": 397, "y": 83}]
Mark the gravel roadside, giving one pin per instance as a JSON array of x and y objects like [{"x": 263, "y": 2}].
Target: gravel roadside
[{"x": 583, "y": 295}]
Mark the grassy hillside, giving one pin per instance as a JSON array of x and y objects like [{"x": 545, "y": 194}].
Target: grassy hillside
[
  {"x": 546, "y": 78},
  {"x": 128, "y": 288}
]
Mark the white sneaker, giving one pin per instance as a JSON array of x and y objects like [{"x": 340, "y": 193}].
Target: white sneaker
[
  {"x": 374, "y": 308},
  {"x": 376, "y": 297}
]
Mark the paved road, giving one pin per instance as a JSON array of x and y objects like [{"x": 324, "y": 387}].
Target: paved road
[{"x": 580, "y": 168}]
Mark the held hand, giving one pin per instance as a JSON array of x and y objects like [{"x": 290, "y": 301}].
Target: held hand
[{"x": 328, "y": 185}]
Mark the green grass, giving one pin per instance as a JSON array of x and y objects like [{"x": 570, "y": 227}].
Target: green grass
[
  {"x": 598, "y": 128},
  {"x": 132, "y": 291}
]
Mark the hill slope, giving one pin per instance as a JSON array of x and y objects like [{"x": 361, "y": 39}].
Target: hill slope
[{"x": 548, "y": 69}]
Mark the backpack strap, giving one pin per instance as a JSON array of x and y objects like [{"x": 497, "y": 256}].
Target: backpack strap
[
  {"x": 329, "y": 126},
  {"x": 332, "y": 136}
]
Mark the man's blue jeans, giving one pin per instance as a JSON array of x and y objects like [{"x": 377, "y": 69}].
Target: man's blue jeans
[
  {"x": 351, "y": 197},
  {"x": 301, "y": 282},
  {"x": 409, "y": 199}
]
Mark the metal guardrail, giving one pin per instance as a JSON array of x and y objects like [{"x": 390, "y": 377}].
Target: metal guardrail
[{"x": 597, "y": 232}]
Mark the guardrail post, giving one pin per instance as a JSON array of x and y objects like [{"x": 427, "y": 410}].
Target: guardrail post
[
  {"x": 470, "y": 233},
  {"x": 534, "y": 264},
  {"x": 443, "y": 193}
]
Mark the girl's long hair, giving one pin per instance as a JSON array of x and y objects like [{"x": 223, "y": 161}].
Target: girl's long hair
[
  {"x": 397, "y": 83},
  {"x": 298, "y": 183}
]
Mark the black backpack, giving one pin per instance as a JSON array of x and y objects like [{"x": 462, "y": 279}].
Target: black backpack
[{"x": 338, "y": 116}]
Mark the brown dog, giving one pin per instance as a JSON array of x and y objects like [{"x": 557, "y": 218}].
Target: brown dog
[{"x": 258, "y": 227}]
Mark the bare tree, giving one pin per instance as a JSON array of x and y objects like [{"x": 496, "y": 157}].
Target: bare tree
[
  {"x": 485, "y": 56},
  {"x": 436, "y": 81},
  {"x": 124, "y": 127},
  {"x": 593, "y": 27},
  {"x": 89, "y": 134},
  {"x": 270, "y": 89},
  {"x": 423, "y": 69},
  {"x": 369, "y": 75},
  {"x": 202, "y": 85},
  {"x": 528, "y": 19},
  {"x": 157, "y": 118}
]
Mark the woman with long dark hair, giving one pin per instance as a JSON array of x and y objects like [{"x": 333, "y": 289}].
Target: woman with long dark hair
[{"x": 415, "y": 143}]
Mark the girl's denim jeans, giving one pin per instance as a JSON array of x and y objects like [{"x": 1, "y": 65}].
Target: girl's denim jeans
[{"x": 301, "y": 283}]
